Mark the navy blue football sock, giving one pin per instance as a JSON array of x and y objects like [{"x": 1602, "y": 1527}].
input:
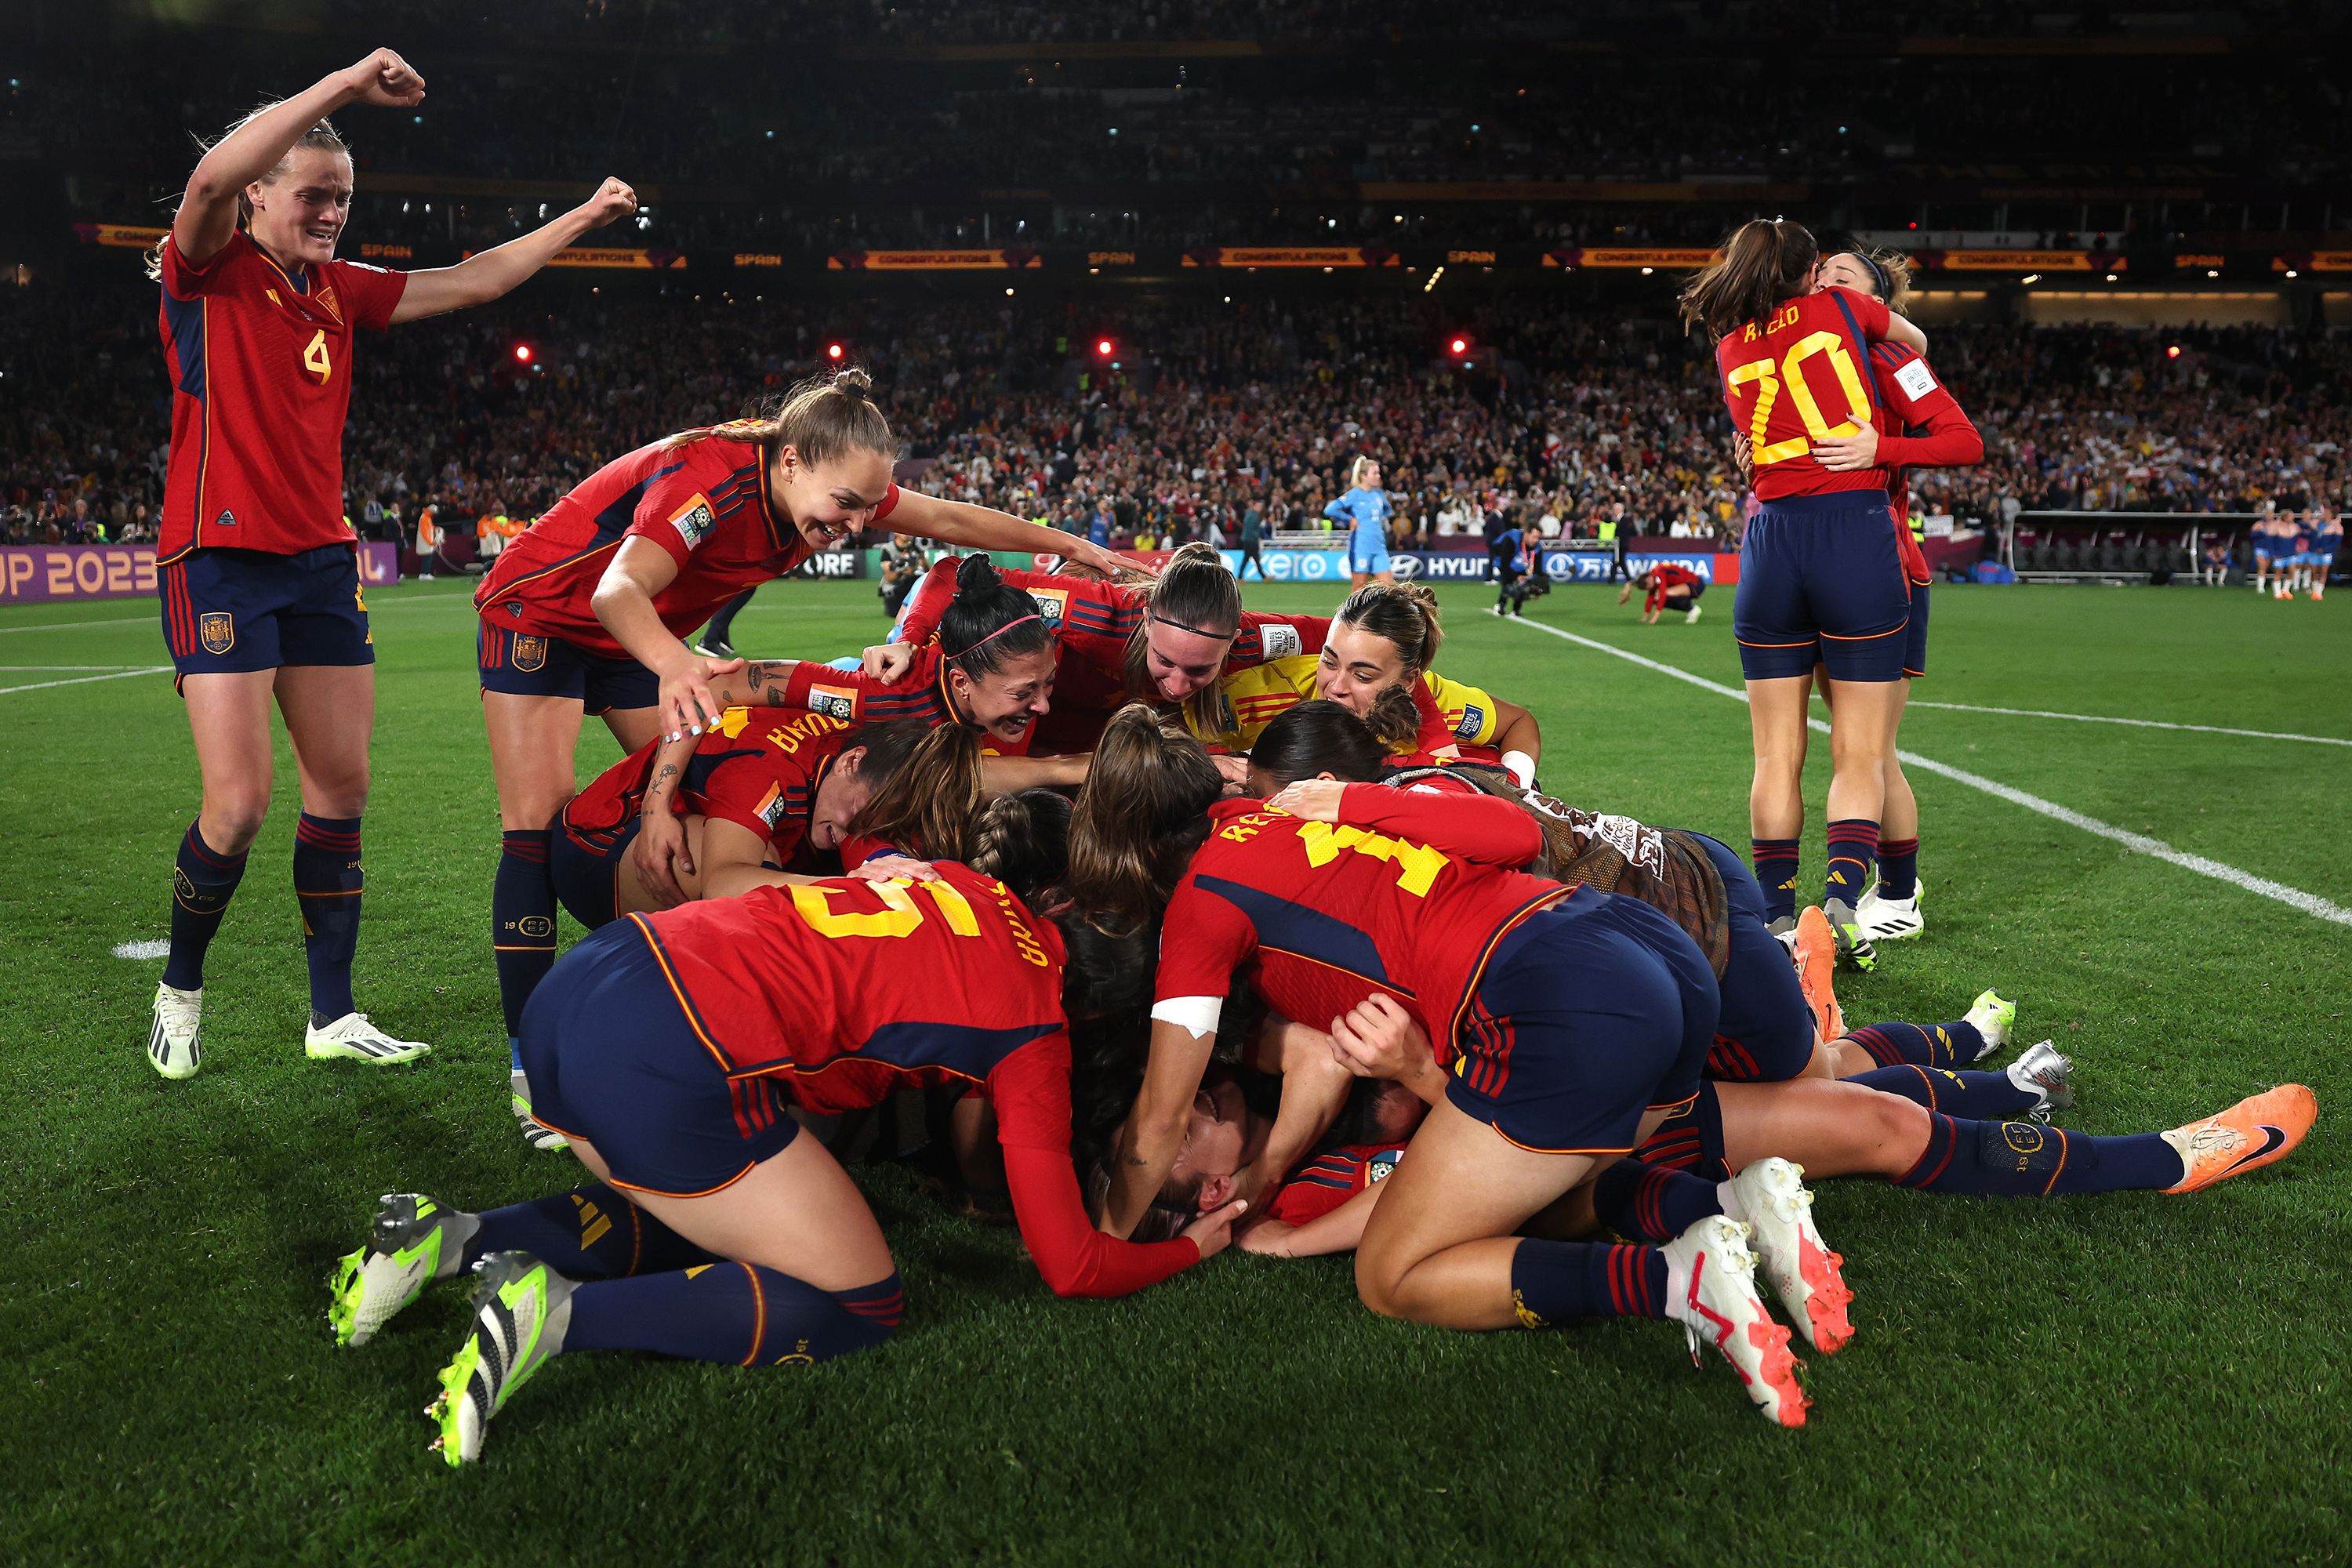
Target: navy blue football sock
[
  {"x": 327, "y": 882},
  {"x": 522, "y": 922},
  {"x": 1775, "y": 861},
  {"x": 202, "y": 884},
  {"x": 1650, "y": 1202},
  {"x": 2020, "y": 1159},
  {"x": 1898, "y": 867},
  {"x": 1552, "y": 1281},
  {"x": 588, "y": 1233},
  {"x": 1921, "y": 1044},
  {"x": 1984, "y": 1095},
  {"x": 734, "y": 1312},
  {"x": 1853, "y": 847}
]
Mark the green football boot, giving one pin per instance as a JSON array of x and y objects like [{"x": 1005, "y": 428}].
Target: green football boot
[
  {"x": 520, "y": 1311},
  {"x": 411, "y": 1245}
]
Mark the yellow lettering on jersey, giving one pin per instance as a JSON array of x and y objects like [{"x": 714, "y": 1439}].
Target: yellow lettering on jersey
[
  {"x": 314, "y": 356},
  {"x": 1242, "y": 830},
  {"x": 1417, "y": 864},
  {"x": 955, "y": 907},
  {"x": 898, "y": 916},
  {"x": 1022, "y": 939},
  {"x": 789, "y": 738},
  {"x": 1768, "y": 375}
]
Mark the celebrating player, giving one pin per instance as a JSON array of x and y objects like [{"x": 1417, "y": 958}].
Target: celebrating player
[
  {"x": 2327, "y": 538},
  {"x": 1666, "y": 586},
  {"x": 256, "y": 569},
  {"x": 671, "y": 1047},
  {"x": 586, "y": 613},
  {"x": 1364, "y": 508},
  {"x": 1821, "y": 579},
  {"x": 1572, "y": 1022}
]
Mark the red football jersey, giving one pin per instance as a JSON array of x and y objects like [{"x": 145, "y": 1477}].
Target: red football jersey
[
  {"x": 1800, "y": 376},
  {"x": 705, "y": 502},
  {"x": 261, "y": 381},
  {"x": 854, "y": 697},
  {"x": 1919, "y": 425},
  {"x": 1329, "y": 1179},
  {"x": 1665, "y": 577},
  {"x": 841, "y": 993},
  {"x": 756, "y": 770},
  {"x": 1322, "y": 915}
]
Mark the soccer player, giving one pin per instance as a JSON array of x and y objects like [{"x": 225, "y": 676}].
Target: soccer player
[
  {"x": 671, "y": 1048},
  {"x": 1919, "y": 425},
  {"x": 1820, "y": 576},
  {"x": 2264, "y": 544},
  {"x": 1364, "y": 508},
  {"x": 2297, "y": 530},
  {"x": 1666, "y": 586},
  {"x": 2327, "y": 538},
  {"x": 1573, "y": 1021},
  {"x": 586, "y": 613},
  {"x": 257, "y": 568}
]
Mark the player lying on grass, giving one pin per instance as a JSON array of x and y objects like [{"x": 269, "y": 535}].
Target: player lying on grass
[
  {"x": 1690, "y": 1167},
  {"x": 1165, "y": 640},
  {"x": 1666, "y": 586},
  {"x": 670, "y": 1048},
  {"x": 1577, "y": 1021},
  {"x": 1375, "y": 663}
]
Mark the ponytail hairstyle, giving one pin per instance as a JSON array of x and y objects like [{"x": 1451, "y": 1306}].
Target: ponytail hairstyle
[
  {"x": 323, "y": 137},
  {"x": 820, "y": 418},
  {"x": 1356, "y": 471},
  {"x": 989, "y": 621},
  {"x": 1404, "y": 613},
  {"x": 1139, "y": 816},
  {"x": 1023, "y": 841},
  {"x": 1890, "y": 272},
  {"x": 1765, "y": 261},
  {"x": 928, "y": 788},
  {"x": 1195, "y": 592},
  {"x": 1319, "y": 737}
]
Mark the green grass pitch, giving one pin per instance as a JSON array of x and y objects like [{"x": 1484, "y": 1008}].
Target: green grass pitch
[{"x": 2084, "y": 1380}]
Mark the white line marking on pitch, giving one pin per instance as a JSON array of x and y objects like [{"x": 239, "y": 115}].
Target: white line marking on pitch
[
  {"x": 86, "y": 680},
  {"x": 14, "y": 668},
  {"x": 2140, "y": 723},
  {"x": 410, "y": 602},
  {"x": 2294, "y": 898},
  {"x": 159, "y": 949}
]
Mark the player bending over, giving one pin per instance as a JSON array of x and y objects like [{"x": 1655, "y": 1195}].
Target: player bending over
[{"x": 1666, "y": 586}]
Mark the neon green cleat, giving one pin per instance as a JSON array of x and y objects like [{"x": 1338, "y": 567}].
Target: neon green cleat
[
  {"x": 520, "y": 1311},
  {"x": 1852, "y": 946},
  {"x": 409, "y": 1246},
  {"x": 1993, "y": 1017}
]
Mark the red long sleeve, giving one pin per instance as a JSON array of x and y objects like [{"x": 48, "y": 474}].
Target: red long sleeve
[
  {"x": 918, "y": 622},
  {"x": 1479, "y": 829},
  {"x": 1952, "y": 441}
]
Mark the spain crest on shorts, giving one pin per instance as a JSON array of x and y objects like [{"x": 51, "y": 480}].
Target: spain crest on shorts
[
  {"x": 216, "y": 629},
  {"x": 529, "y": 653},
  {"x": 833, "y": 702}
]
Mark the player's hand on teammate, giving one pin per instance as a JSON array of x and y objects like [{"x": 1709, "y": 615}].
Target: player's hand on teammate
[
  {"x": 1743, "y": 453},
  {"x": 688, "y": 707},
  {"x": 1378, "y": 1039},
  {"x": 614, "y": 199},
  {"x": 1844, "y": 454},
  {"x": 1235, "y": 769},
  {"x": 1109, "y": 563},
  {"x": 1316, "y": 800},
  {"x": 1212, "y": 1231},
  {"x": 661, "y": 852},
  {"x": 888, "y": 868},
  {"x": 386, "y": 80},
  {"x": 1267, "y": 1239},
  {"x": 889, "y": 662}
]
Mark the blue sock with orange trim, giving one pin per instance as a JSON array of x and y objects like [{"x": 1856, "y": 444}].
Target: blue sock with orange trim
[
  {"x": 588, "y": 1233},
  {"x": 1775, "y": 861},
  {"x": 2023, "y": 1159},
  {"x": 522, "y": 922},
  {"x": 1921, "y": 1044},
  {"x": 736, "y": 1312},
  {"x": 327, "y": 883},
  {"x": 202, "y": 884},
  {"x": 1652, "y": 1203},
  {"x": 1977, "y": 1094},
  {"x": 1853, "y": 849},
  {"x": 1898, "y": 867},
  {"x": 1552, "y": 1281}
]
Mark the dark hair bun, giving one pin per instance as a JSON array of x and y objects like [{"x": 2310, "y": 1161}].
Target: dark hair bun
[{"x": 976, "y": 573}]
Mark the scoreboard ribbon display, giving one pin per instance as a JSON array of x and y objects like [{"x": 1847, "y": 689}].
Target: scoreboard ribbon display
[{"x": 986, "y": 260}]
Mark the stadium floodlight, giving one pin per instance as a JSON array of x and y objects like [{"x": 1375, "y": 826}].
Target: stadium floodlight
[
  {"x": 833, "y": 350},
  {"x": 1460, "y": 344},
  {"x": 1103, "y": 347},
  {"x": 2173, "y": 351},
  {"x": 522, "y": 354}
]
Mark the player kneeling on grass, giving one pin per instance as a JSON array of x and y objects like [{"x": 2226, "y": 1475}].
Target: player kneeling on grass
[
  {"x": 1575, "y": 1022},
  {"x": 1666, "y": 586},
  {"x": 668, "y": 1048}
]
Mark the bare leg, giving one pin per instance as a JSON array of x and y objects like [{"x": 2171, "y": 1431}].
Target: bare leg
[
  {"x": 228, "y": 716},
  {"x": 1776, "y": 715}
]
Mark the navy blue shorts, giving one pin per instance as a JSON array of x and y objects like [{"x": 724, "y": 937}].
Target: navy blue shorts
[
  {"x": 1765, "y": 1032},
  {"x": 1914, "y": 637},
  {"x": 584, "y": 874},
  {"x": 1691, "y": 1139},
  {"x": 228, "y": 610},
  {"x": 1591, "y": 1013},
  {"x": 528, "y": 665},
  {"x": 612, "y": 1061},
  {"x": 1688, "y": 596},
  {"x": 1821, "y": 580}
]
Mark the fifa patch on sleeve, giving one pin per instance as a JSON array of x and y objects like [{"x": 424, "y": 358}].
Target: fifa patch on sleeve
[
  {"x": 1473, "y": 720},
  {"x": 1916, "y": 379},
  {"x": 833, "y": 701},
  {"x": 693, "y": 520},
  {"x": 1053, "y": 605},
  {"x": 1279, "y": 641},
  {"x": 771, "y": 810}
]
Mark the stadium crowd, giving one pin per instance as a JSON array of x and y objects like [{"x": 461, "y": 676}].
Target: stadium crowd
[{"x": 1204, "y": 409}]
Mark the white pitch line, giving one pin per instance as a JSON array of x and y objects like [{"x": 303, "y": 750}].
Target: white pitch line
[
  {"x": 2140, "y": 723},
  {"x": 2294, "y": 898},
  {"x": 158, "y": 949},
  {"x": 86, "y": 680},
  {"x": 16, "y": 668},
  {"x": 72, "y": 626}
]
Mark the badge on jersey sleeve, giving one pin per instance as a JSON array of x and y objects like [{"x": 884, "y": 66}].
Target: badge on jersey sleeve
[
  {"x": 1281, "y": 640},
  {"x": 1473, "y": 720},
  {"x": 1053, "y": 607},
  {"x": 1916, "y": 379},
  {"x": 693, "y": 520},
  {"x": 833, "y": 701}
]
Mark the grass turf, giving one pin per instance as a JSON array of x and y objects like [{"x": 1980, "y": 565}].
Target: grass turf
[{"x": 2091, "y": 1378}]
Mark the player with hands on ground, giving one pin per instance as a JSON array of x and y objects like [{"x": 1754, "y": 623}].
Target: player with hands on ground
[
  {"x": 1666, "y": 586},
  {"x": 256, "y": 569}
]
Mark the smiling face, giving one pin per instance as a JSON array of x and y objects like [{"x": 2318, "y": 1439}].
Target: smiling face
[
  {"x": 1179, "y": 661},
  {"x": 298, "y": 212},
  {"x": 829, "y": 501},
  {"x": 1009, "y": 698},
  {"x": 1356, "y": 666},
  {"x": 841, "y": 796}
]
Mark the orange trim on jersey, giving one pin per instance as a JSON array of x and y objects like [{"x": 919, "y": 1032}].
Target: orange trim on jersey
[
  {"x": 798, "y": 1069},
  {"x": 685, "y": 1002},
  {"x": 767, "y": 510},
  {"x": 1485, "y": 955},
  {"x": 1338, "y": 969},
  {"x": 558, "y": 567}
]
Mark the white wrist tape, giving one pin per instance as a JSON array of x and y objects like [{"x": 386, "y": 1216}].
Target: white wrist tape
[
  {"x": 1521, "y": 766},
  {"x": 1197, "y": 1013}
]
